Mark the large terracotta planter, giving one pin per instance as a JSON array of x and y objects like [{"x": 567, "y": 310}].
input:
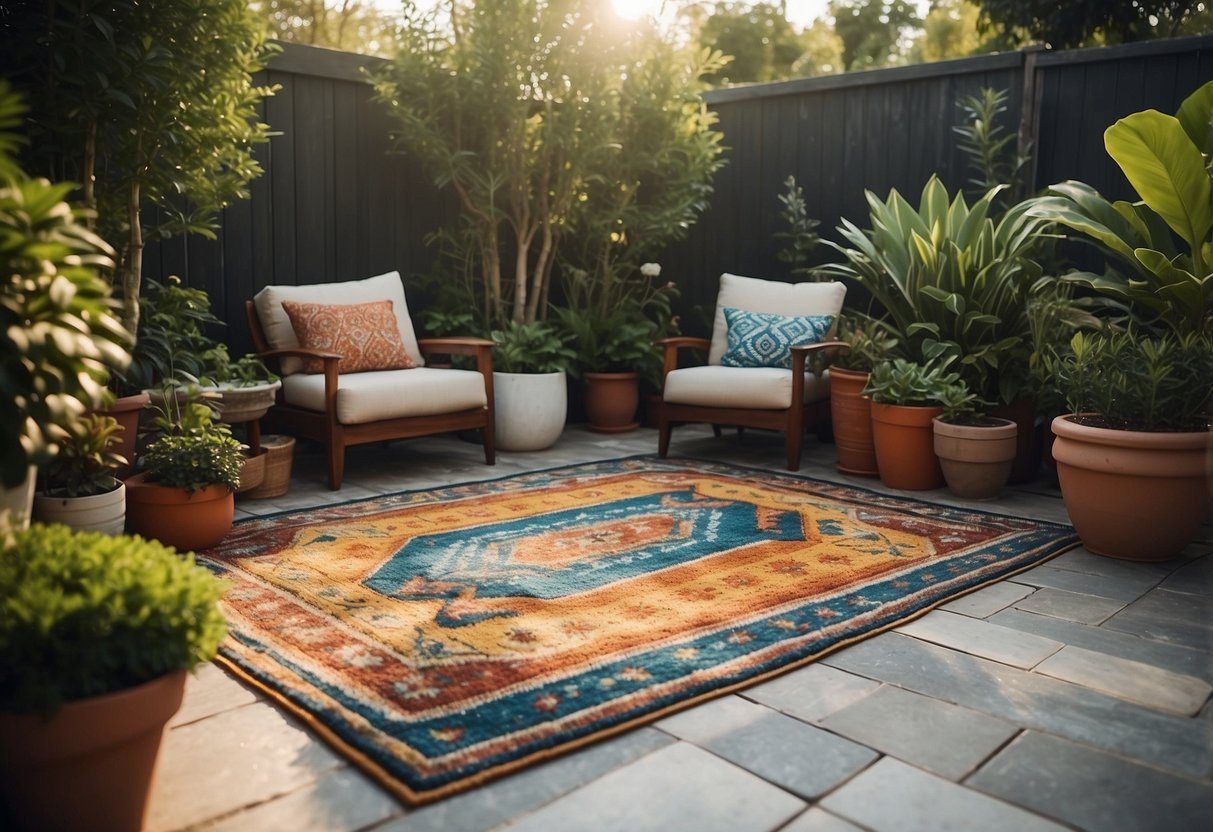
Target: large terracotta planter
[
  {"x": 91, "y": 765},
  {"x": 976, "y": 459},
  {"x": 851, "y": 418},
  {"x": 176, "y": 517},
  {"x": 529, "y": 409},
  {"x": 126, "y": 411},
  {"x": 95, "y": 513},
  {"x": 1132, "y": 495},
  {"x": 611, "y": 400},
  {"x": 905, "y": 446}
]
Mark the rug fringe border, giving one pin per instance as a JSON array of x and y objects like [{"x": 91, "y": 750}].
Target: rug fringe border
[{"x": 414, "y": 799}]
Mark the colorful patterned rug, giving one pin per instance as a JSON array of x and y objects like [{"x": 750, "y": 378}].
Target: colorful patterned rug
[{"x": 443, "y": 637}]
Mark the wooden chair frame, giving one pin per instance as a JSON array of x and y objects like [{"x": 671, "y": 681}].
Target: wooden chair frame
[
  {"x": 323, "y": 426},
  {"x": 793, "y": 421}
]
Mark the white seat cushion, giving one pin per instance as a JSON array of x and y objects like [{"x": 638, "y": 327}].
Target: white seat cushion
[
  {"x": 757, "y": 388},
  {"x": 281, "y": 335},
  {"x": 390, "y": 394},
  {"x": 774, "y": 297}
]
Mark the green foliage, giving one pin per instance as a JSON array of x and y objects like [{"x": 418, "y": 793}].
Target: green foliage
[
  {"x": 1131, "y": 380},
  {"x": 872, "y": 30},
  {"x": 537, "y": 347},
  {"x": 869, "y": 342},
  {"x": 1167, "y": 159},
  {"x": 246, "y": 371},
  {"x": 991, "y": 150},
  {"x": 84, "y": 614},
  {"x": 58, "y": 330},
  {"x": 1080, "y": 22},
  {"x": 552, "y": 122},
  {"x": 801, "y": 235},
  {"x": 758, "y": 38},
  {"x": 87, "y": 462},
  {"x": 952, "y": 282},
  {"x": 350, "y": 25},
  {"x": 190, "y": 451},
  {"x": 918, "y": 385},
  {"x": 172, "y": 340},
  {"x": 147, "y": 102}
]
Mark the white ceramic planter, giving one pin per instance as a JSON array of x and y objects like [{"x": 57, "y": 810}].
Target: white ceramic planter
[
  {"x": 98, "y": 513},
  {"x": 530, "y": 409}
]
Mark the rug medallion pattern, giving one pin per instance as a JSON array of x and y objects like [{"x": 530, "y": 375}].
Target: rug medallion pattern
[{"x": 441, "y": 637}]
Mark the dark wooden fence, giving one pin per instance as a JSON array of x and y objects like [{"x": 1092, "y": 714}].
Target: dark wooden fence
[{"x": 334, "y": 204}]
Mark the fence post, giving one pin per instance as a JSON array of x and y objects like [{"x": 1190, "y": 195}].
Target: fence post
[{"x": 1029, "y": 120}]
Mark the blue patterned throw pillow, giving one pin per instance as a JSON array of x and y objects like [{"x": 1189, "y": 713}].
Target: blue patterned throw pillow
[{"x": 760, "y": 339}]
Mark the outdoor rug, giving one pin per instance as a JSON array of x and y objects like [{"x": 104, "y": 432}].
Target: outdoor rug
[{"x": 446, "y": 636}]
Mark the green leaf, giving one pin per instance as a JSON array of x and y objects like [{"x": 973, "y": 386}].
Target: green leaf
[
  {"x": 1196, "y": 117},
  {"x": 1167, "y": 170}
]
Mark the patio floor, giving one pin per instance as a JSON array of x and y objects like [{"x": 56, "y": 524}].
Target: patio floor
[{"x": 1074, "y": 695}]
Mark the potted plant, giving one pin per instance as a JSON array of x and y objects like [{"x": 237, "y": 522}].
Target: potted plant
[
  {"x": 241, "y": 390},
  {"x": 615, "y": 331},
  {"x": 80, "y": 486},
  {"x": 96, "y": 635},
  {"x": 1143, "y": 388},
  {"x": 953, "y": 281},
  {"x": 906, "y": 397},
  {"x": 184, "y": 493},
  {"x": 530, "y": 385},
  {"x": 867, "y": 343},
  {"x": 1131, "y": 454},
  {"x": 976, "y": 450},
  {"x": 59, "y": 334}
]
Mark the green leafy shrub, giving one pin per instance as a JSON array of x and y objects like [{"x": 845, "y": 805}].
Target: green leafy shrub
[
  {"x": 191, "y": 451},
  {"x": 1128, "y": 381},
  {"x": 537, "y": 347},
  {"x": 84, "y": 613},
  {"x": 59, "y": 333},
  {"x": 907, "y": 383},
  {"x": 87, "y": 463}
]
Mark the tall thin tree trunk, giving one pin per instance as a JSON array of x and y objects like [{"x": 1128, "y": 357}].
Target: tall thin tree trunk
[
  {"x": 90, "y": 165},
  {"x": 133, "y": 274}
]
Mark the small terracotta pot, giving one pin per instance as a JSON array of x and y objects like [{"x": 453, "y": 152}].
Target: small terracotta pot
[
  {"x": 905, "y": 446},
  {"x": 1133, "y": 495},
  {"x": 976, "y": 459},
  {"x": 176, "y": 517},
  {"x": 127, "y": 411},
  {"x": 851, "y": 419},
  {"x": 91, "y": 765},
  {"x": 611, "y": 400}
]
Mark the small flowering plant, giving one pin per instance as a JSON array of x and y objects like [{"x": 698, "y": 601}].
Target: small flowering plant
[{"x": 615, "y": 322}]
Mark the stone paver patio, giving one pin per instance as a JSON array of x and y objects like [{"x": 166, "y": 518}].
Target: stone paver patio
[{"x": 1072, "y": 696}]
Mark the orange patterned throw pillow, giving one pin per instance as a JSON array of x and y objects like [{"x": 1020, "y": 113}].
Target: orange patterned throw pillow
[{"x": 365, "y": 335}]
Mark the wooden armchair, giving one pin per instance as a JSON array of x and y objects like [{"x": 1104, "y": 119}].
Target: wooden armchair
[
  {"x": 776, "y": 398},
  {"x": 339, "y": 409}
]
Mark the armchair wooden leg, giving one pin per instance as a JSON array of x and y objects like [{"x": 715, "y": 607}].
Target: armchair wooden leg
[
  {"x": 489, "y": 436},
  {"x": 336, "y": 465},
  {"x": 663, "y": 435},
  {"x": 716, "y": 430}
]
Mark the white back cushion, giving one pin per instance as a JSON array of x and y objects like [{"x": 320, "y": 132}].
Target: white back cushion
[
  {"x": 281, "y": 336},
  {"x": 774, "y": 297}
]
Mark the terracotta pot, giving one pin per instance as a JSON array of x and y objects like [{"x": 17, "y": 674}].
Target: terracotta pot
[
  {"x": 976, "y": 459},
  {"x": 611, "y": 400},
  {"x": 905, "y": 446},
  {"x": 127, "y": 411},
  {"x": 1028, "y": 445},
  {"x": 176, "y": 517},
  {"x": 851, "y": 417},
  {"x": 96, "y": 513},
  {"x": 90, "y": 765},
  {"x": 1133, "y": 495}
]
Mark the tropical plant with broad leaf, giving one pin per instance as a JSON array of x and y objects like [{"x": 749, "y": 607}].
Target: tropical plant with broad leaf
[
  {"x": 952, "y": 282},
  {"x": 1159, "y": 249}
]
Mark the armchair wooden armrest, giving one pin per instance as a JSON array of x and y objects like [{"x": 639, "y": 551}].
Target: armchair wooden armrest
[{"x": 671, "y": 346}]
